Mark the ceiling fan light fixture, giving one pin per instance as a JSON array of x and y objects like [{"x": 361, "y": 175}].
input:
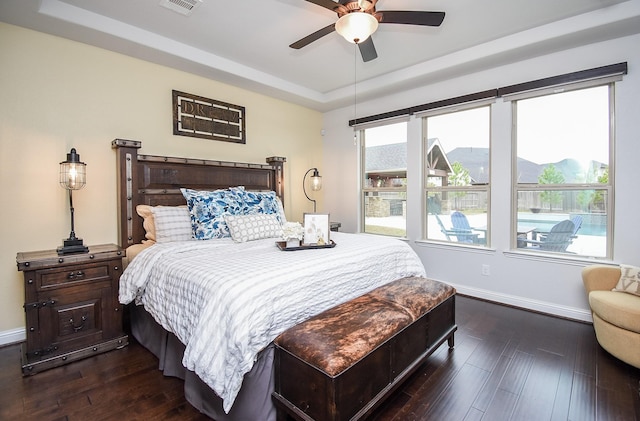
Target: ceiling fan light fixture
[{"x": 356, "y": 27}]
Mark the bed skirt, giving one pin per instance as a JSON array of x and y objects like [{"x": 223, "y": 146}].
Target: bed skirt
[{"x": 252, "y": 403}]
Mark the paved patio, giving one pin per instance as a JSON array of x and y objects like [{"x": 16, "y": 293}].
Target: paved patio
[{"x": 585, "y": 245}]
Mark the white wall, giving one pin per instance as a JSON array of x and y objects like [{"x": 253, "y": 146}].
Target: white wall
[{"x": 549, "y": 285}]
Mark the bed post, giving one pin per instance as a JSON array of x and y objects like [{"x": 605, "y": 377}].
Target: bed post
[
  {"x": 127, "y": 171},
  {"x": 278, "y": 163}
]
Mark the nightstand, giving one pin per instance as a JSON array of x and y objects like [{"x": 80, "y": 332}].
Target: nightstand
[
  {"x": 71, "y": 304},
  {"x": 335, "y": 226}
]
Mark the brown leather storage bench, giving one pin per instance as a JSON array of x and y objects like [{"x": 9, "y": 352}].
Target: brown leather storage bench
[{"x": 342, "y": 363}]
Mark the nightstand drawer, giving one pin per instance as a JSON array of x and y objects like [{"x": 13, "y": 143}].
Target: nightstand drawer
[
  {"x": 71, "y": 275},
  {"x": 77, "y": 319}
]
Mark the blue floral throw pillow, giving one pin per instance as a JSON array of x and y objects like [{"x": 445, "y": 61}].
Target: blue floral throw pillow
[
  {"x": 259, "y": 202},
  {"x": 207, "y": 210}
]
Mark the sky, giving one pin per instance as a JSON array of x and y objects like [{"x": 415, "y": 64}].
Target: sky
[
  {"x": 387, "y": 135},
  {"x": 576, "y": 124},
  {"x": 469, "y": 128},
  {"x": 549, "y": 128}
]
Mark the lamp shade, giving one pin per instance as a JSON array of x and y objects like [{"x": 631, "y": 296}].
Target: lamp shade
[
  {"x": 73, "y": 174},
  {"x": 316, "y": 181},
  {"x": 316, "y": 184},
  {"x": 356, "y": 27}
]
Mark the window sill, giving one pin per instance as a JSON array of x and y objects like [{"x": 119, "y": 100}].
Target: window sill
[
  {"x": 454, "y": 246},
  {"x": 557, "y": 257},
  {"x": 382, "y": 189}
]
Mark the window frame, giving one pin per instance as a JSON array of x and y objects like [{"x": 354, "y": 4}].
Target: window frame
[
  {"x": 482, "y": 188},
  {"x": 517, "y": 187},
  {"x": 363, "y": 188}
]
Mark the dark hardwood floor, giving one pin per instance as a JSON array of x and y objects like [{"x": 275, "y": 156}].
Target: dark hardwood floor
[{"x": 508, "y": 364}]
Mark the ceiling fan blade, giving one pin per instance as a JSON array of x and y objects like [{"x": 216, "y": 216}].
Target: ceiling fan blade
[
  {"x": 412, "y": 17},
  {"x": 367, "y": 50},
  {"x": 313, "y": 37},
  {"x": 327, "y": 4}
]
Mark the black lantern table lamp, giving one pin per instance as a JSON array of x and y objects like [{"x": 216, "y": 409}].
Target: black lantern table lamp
[
  {"x": 316, "y": 184},
  {"x": 72, "y": 177}
]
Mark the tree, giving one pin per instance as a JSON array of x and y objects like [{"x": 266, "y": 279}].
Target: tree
[
  {"x": 551, "y": 175},
  {"x": 459, "y": 177},
  {"x": 593, "y": 199},
  {"x": 584, "y": 198},
  {"x": 598, "y": 198}
]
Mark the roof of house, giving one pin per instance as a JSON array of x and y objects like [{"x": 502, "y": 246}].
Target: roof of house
[
  {"x": 386, "y": 158},
  {"x": 393, "y": 158}
]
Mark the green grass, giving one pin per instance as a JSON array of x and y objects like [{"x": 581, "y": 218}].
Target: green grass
[{"x": 377, "y": 229}]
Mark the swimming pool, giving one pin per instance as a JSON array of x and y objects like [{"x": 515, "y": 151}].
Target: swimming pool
[{"x": 592, "y": 224}]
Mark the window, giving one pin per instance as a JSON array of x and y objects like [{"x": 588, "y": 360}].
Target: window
[
  {"x": 456, "y": 153},
  {"x": 562, "y": 162},
  {"x": 384, "y": 179}
]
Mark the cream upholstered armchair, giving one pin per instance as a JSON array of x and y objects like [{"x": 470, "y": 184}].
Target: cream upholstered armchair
[{"x": 616, "y": 315}]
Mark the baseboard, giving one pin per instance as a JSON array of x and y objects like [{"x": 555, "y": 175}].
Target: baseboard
[
  {"x": 528, "y": 304},
  {"x": 12, "y": 336}
]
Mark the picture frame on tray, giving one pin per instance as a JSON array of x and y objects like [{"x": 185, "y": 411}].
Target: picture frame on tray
[{"x": 316, "y": 229}]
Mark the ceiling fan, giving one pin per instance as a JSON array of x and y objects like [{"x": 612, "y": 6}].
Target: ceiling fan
[{"x": 358, "y": 19}]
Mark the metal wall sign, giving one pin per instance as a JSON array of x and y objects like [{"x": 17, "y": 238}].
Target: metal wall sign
[{"x": 196, "y": 116}]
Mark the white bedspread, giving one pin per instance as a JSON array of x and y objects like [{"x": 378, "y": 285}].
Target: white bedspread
[{"x": 226, "y": 301}]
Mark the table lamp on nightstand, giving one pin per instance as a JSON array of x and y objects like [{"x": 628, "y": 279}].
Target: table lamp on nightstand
[
  {"x": 72, "y": 177},
  {"x": 316, "y": 184}
]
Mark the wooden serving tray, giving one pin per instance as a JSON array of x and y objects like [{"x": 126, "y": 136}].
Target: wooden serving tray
[{"x": 282, "y": 245}]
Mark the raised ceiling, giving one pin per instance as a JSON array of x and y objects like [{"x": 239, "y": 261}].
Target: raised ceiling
[{"x": 246, "y": 42}]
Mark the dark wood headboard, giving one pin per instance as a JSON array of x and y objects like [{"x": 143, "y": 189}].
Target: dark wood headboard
[{"x": 156, "y": 180}]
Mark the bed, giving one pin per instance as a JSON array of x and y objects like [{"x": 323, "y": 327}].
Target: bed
[{"x": 210, "y": 310}]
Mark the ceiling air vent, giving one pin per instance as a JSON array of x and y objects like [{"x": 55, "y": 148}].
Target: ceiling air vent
[{"x": 184, "y": 7}]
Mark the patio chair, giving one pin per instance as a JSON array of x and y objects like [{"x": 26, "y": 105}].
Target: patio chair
[
  {"x": 466, "y": 233},
  {"x": 442, "y": 228},
  {"x": 577, "y": 223},
  {"x": 461, "y": 235},
  {"x": 558, "y": 239}
]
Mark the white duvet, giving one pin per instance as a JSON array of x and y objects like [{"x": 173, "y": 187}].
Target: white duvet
[{"x": 226, "y": 301}]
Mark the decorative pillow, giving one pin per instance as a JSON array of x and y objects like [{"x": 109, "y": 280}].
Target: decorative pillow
[
  {"x": 147, "y": 222},
  {"x": 172, "y": 223},
  {"x": 253, "y": 227},
  {"x": 259, "y": 202},
  {"x": 629, "y": 280},
  {"x": 207, "y": 210},
  {"x": 283, "y": 217}
]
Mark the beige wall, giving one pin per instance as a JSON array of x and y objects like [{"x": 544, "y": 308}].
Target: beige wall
[{"x": 57, "y": 94}]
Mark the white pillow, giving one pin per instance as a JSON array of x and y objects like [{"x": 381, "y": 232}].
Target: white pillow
[
  {"x": 172, "y": 223},
  {"x": 253, "y": 227},
  {"x": 629, "y": 280}
]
